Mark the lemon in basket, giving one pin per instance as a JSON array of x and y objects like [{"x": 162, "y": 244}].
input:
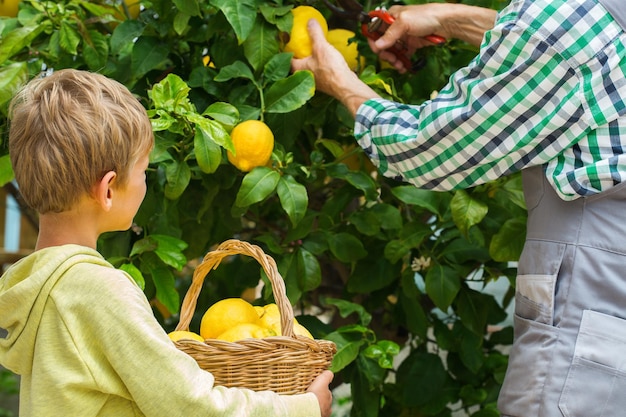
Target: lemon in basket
[
  {"x": 245, "y": 331},
  {"x": 226, "y": 314},
  {"x": 177, "y": 335},
  {"x": 270, "y": 319}
]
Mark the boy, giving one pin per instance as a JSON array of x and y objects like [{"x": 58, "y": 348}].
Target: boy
[{"x": 79, "y": 332}]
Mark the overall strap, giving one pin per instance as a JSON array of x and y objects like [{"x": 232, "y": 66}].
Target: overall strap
[{"x": 617, "y": 9}]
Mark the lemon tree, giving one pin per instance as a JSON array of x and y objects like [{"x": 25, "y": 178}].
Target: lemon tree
[{"x": 368, "y": 262}]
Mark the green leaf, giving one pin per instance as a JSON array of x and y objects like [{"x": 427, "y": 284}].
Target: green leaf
[
  {"x": 237, "y": 69},
  {"x": 213, "y": 130},
  {"x": 425, "y": 199},
  {"x": 96, "y": 51},
  {"x": 467, "y": 211},
  {"x": 372, "y": 274},
  {"x": 12, "y": 77},
  {"x": 171, "y": 94},
  {"x": 309, "y": 270},
  {"x": 188, "y": 7},
  {"x": 241, "y": 15},
  {"x": 281, "y": 16},
  {"x": 256, "y": 186},
  {"x": 416, "y": 319},
  {"x": 278, "y": 67},
  {"x": 181, "y": 23},
  {"x": 69, "y": 38},
  {"x": 359, "y": 180},
  {"x": 293, "y": 198},
  {"x": 421, "y": 378},
  {"x": 6, "y": 170},
  {"x": 348, "y": 348},
  {"x": 169, "y": 250},
  {"x": 347, "y": 307},
  {"x": 366, "y": 222},
  {"x": 142, "y": 246},
  {"x": 125, "y": 33},
  {"x": 261, "y": 45},
  {"x": 207, "y": 152},
  {"x": 346, "y": 247},
  {"x": 508, "y": 242},
  {"x": 364, "y": 388},
  {"x": 442, "y": 285},
  {"x": 224, "y": 113},
  {"x": 135, "y": 274},
  {"x": 165, "y": 284},
  {"x": 178, "y": 175},
  {"x": 411, "y": 237},
  {"x": 291, "y": 93},
  {"x": 164, "y": 281},
  {"x": 332, "y": 146},
  {"x": 17, "y": 39},
  {"x": 388, "y": 215},
  {"x": 473, "y": 308},
  {"x": 148, "y": 54}
]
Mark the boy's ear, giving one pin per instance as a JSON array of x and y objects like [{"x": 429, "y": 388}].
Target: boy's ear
[{"x": 104, "y": 190}]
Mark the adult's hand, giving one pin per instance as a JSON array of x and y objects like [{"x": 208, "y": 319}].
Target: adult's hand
[
  {"x": 414, "y": 22},
  {"x": 331, "y": 72}
]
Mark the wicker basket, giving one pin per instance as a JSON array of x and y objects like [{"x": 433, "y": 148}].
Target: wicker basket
[{"x": 284, "y": 364}]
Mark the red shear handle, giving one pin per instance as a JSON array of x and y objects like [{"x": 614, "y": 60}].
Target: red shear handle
[{"x": 389, "y": 19}]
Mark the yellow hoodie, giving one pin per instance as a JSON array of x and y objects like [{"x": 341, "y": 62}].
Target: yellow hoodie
[{"x": 83, "y": 338}]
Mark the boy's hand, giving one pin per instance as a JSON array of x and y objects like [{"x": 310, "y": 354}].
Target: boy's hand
[{"x": 320, "y": 388}]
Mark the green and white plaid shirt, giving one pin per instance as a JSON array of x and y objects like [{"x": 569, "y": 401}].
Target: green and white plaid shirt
[{"x": 548, "y": 87}]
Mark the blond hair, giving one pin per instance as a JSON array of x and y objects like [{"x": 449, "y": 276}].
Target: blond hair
[{"x": 68, "y": 130}]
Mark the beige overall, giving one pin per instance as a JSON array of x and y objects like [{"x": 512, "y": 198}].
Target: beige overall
[{"x": 569, "y": 354}]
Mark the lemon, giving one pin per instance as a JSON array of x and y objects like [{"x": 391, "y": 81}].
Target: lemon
[
  {"x": 133, "y": 7},
  {"x": 8, "y": 8},
  {"x": 226, "y": 314},
  {"x": 270, "y": 319},
  {"x": 254, "y": 142},
  {"x": 245, "y": 331},
  {"x": 339, "y": 38},
  {"x": 300, "y": 330},
  {"x": 299, "y": 39},
  {"x": 177, "y": 335},
  {"x": 206, "y": 60}
]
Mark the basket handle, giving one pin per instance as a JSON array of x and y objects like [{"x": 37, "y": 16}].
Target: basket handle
[{"x": 212, "y": 260}]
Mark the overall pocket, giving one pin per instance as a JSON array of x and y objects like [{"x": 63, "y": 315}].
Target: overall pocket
[
  {"x": 596, "y": 382},
  {"x": 535, "y": 335}
]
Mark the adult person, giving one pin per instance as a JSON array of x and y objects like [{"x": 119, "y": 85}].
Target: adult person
[{"x": 546, "y": 95}]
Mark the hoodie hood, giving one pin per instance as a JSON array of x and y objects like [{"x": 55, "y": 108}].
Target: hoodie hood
[{"x": 24, "y": 291}]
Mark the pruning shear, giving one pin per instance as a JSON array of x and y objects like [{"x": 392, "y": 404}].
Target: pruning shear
[{"x": 373, "y": 25}]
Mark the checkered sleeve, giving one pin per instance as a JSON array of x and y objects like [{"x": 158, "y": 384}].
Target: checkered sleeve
[{"x": 516, "y": 105}]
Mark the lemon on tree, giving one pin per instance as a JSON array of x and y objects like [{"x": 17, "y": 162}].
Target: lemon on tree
[
  {"x": 8, "y": 8},
  {"x": 177, "y": 335},
  {"x": 299, "y": 40},
  {"x": 226, "y": 314},
  {"x": 340, "y": 39},
  {"x": 133, "y": 7},
  {"x": 253, "y": 141}
]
